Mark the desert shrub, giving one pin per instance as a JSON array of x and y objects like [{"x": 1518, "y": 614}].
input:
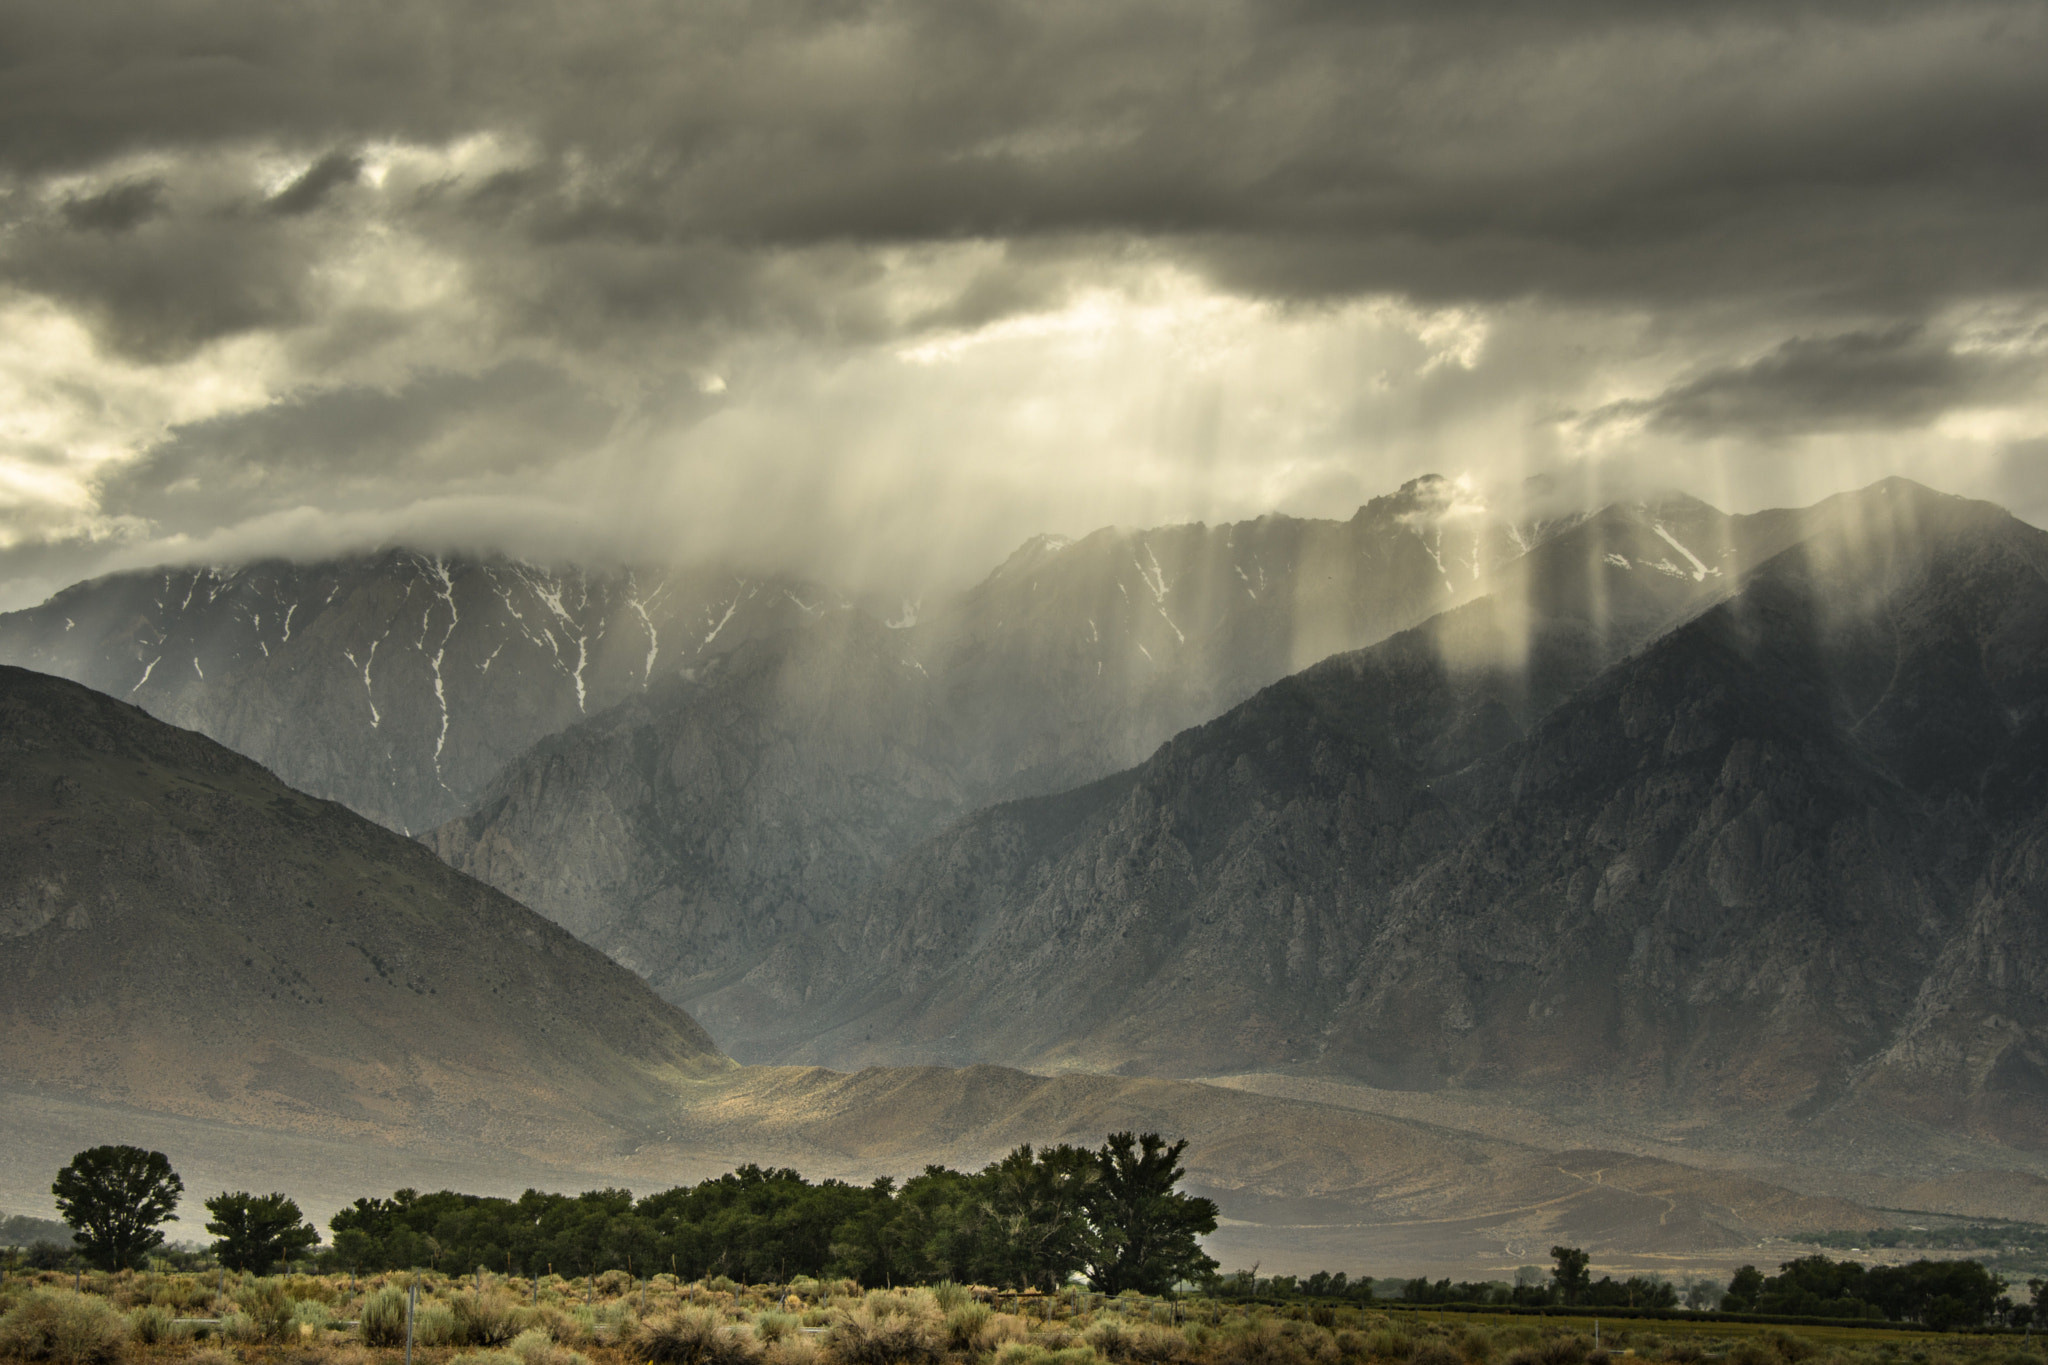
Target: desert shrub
[
  {"x": 865, "y": 1337},
  {"x": 268, "y": 1309},
  {"x": 1388, "y": 1344},
  {"x": 949, "y": 1295},
  {"x": 65, "y": 1327},
  {"x": 382, "y": 1319},
  {"x": 694, "y": 1336},
  {"x": 1474, "y": 1345},
  {"x": 535, "y": 1347},
  {"x": 965, "y": 1323},
  {"x": 1265, "y": 1342},
  {"x": 310, "y": 1317},
  {"x": 211, "y": 1355},
  {"x": 570, "y": 1327},
  {"x": 773, "y": 1327},
  {"x": 613, "y": 1324},
  {"x": 433, "y": 1325},
  {"x": 1108, "y": 1335},
  {"x": 1025, "y": 1353},
  {"x": 1787, "y": 1347},
  {"x": 1435, "y": 1351},
  {"x": 1141, "y": 1343},
  {"x": 486, "y": 1319},
  {"x": 806, "y": 1286},
  {"x": 150, "y": 1324},
  {"x": 1560, "y": 1350}
]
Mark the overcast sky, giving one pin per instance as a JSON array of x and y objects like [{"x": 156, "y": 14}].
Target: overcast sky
[{"x": 876, "y": 291}]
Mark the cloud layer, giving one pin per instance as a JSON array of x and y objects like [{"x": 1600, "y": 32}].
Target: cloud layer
[{"x": 876, "y": 290}]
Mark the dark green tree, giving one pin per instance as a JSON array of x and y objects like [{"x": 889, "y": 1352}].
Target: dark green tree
[
  {"x": 116, "y": 1197},
  {"x": 1743, "y": 1290},
  {"x": 257, "y": 1231},
  {"x": 1145, "y": 1229},
  {"x": 1038, "y": 1204},
  {"x": 1572, "y": 1276}
]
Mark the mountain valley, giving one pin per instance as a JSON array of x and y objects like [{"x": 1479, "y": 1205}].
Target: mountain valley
[{"x": 1648, "y": 877}]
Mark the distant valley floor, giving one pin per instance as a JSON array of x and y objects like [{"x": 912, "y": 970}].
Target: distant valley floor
[{"x": 1309, "y": 1174}]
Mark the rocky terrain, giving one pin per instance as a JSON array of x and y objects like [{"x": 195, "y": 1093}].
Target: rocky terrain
[
  {"x": 1671, "y": 889},
  {"x": 397, "y": 684},
  {"x": 185, "y": 934},
  {"x": 1779, "y": 860},
  {"x": 705, "y": 827}
]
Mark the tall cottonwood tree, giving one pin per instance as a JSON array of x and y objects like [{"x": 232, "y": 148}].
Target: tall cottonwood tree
[
  {"x": 1145, "y": 1229},
  {"x": 116, "y": 1197},
  {"x": 257, "y": 1231}
]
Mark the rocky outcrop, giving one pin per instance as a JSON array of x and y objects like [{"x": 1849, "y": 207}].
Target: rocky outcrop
[{"x": 1773, "y": 860}]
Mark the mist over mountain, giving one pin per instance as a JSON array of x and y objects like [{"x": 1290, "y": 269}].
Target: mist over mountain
[
  {"x": 1780, "y": 860},
  {"x": 707, "y": 823}
]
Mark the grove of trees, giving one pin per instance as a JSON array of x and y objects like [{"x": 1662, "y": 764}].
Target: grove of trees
[
  {"x": 1942, "y": 1294},
  {"x": 1036, "y": 1218}
]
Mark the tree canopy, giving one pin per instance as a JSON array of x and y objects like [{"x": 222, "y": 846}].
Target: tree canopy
[
  {"x": 257, "y": 1231},
  {"x": 1035, "y": 1218},
  {"x": 117, "y": 1196}
]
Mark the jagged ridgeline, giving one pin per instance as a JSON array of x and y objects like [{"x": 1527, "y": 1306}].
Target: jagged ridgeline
[
  {"x": 184, "y": 933},
  {"x": 397, "y": 684},
  {"x": 1782, "y": 860}
]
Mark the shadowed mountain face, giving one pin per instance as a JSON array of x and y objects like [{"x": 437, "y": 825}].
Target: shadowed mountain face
[
  {"x": 691, "y": 828},
  {"x": 397, "y": 684},
  {"x": 183, "y": 933},
  {"x": 704, "y": 827},
  {"x": 1783, "y": 858}
]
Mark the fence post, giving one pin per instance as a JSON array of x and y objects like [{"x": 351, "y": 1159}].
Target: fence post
[{"x": 412, "y": 1298}]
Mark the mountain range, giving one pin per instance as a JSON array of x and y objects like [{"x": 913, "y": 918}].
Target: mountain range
[{"x": 1660, "y": 824}]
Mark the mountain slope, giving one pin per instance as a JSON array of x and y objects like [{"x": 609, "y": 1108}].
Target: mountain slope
[
  {"x": 690, "y": 828},
  {"x": 700, "y": 831},
  {"x": 1732, "y": 870},
  {"x": 400, "y": 683},
  {"x": 186, "y": 934}
]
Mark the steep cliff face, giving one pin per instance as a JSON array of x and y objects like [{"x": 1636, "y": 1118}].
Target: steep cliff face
[
  {"x": 688, "y": 829},
  {"x": 712, "y": 834},
  {"x": 184, "y": 933},
  {"x": 396, "y": 684},
  {"x": 1769, "y": 860}
]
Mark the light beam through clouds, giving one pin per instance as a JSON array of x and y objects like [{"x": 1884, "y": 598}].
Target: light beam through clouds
[{"x": 875, "y": 291}]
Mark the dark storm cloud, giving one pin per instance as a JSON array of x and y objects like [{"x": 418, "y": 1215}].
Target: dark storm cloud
[
  {"x": 1872, "y": 152},
  {"x": 160, "y": 270},
  {"x": 1857, "y": 381},
  {"x": 118, "y": 209},
  {"x": 339, "y": 446},
  {"x": 322, "y": 178},
  {"x": 1265, "y": 247}
]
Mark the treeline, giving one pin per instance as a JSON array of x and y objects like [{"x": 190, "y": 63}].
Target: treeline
[
  {"x": 1033, "y": 1219},
  {"x": 1942, "y": 1294}
]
